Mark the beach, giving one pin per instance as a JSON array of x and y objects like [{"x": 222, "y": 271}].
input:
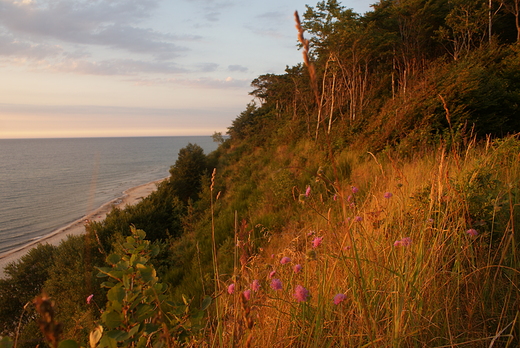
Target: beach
[{"x": 130, "y": 197}]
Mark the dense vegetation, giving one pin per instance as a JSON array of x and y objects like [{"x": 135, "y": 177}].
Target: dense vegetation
[{"x": 368, "y": 197}]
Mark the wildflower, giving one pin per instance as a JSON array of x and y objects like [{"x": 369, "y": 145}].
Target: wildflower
[
  {"x": 358, "y": 219},
  {"x": 89, "y": 298},
  {"x": 301, "y": 294},
  {"x": 335, "y": 197},
  {"x": 316, "y": 242},
  {"x": 285, "y": 260},
  {"x": 297, "y": 268},
  {"x": 355, "y": 190},
  {"x": 276, "y": 284},
  {"x": 272, "y": 273},
  {"x": 255, "y": 285},
  {"x": 388, "y": 195},
  {"x": 310, "y": 233},
  {"x": 247, "y": 294},
  {"x": 231, "y": 288},
  {"x": 338, "y": 298},
  {"x": 308, "y": 191},
  {"x": 472, "y": 232},
  {"x": 403, "y": 242}
]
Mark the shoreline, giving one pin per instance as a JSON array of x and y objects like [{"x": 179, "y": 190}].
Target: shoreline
[{"x": 130, "y": 196}]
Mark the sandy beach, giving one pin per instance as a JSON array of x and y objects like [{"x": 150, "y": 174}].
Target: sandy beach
[{"x": 130, "y": 197}]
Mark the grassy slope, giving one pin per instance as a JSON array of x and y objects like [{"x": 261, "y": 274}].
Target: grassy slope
[{"x": 446, "y": 287}]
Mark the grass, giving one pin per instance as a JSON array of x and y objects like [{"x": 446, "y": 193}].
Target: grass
[{"x": 397, "y": 246}]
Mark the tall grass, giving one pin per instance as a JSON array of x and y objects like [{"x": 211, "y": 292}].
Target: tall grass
[{"x": 403, "y": 253}]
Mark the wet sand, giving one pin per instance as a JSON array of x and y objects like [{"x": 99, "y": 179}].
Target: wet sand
[{"x": 130, "y": 197}]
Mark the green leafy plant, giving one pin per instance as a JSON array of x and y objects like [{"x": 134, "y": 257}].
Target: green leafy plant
[{"x": 138, "y": 312}]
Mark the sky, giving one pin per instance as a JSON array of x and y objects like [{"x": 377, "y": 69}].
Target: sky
[{"x": 109, "y": 68}]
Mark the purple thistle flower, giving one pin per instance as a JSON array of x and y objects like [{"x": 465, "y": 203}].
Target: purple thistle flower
[
  {"x": 338, "y": 298},
  {"x": 247, "y": 294},
  {"x": 308, "y": 191},
  {"x": 231, "y": 288},
  {"x": 316, "y": 242},
  {"x": 406, "y": 241},
  {"x": 297, "y": 268},
  {"x": 89, "y": 298},
  {"x": 358, "y": 218},
  {"x": 276, "y": 284},
  {"x": 335, "y": 197},
  {"x": 272, "y": 274},
  {"x": 255, "y": 285},
  {"x": 285, "y": 260},
  {"x": 355, "y": 190},
  {"x": 301, "y": 294},
  {"x": 472, "y": 232},
  {"x": 388, "y": 195}
]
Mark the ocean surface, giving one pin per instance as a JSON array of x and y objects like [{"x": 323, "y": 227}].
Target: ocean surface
[{"x": 46, "y": 184}]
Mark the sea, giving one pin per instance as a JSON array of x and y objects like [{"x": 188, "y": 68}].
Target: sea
[{"x": 46, "y": 184}]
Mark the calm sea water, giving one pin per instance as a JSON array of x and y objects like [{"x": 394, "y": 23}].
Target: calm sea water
[{"x": 48, "y": 183}]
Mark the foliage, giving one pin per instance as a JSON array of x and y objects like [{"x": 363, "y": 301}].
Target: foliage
[
  {"x": 24, "y": 279},
  {"x": 186, "y": 173},
  {"x": 138, "y": 312}
]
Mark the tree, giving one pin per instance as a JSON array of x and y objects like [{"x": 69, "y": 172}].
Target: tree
[
  {"x": 24, "y": 279},
  {"x": 513, "y": 7},
  {"x": 185, "y": 179},
  {"x": 218, "y": 138}
]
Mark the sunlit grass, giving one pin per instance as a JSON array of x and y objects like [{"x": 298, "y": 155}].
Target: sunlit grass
[{"x": 416, "y": 252}]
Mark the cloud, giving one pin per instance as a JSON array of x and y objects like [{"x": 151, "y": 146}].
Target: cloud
[
  {"x": 116, "y": 67},
  {"x": 10, "y": 46},
  {"x": 237, "y": 67},
  {"x": 207, "y": 67},
  {"x": 113, "y": 24},
  {"x": 212, "y": 10},
  {"x": 197, "y": 83}
]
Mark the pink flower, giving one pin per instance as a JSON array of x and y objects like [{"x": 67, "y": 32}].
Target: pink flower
[
  {"x": 472, "y": 232},
  {"x": 285, "y": 260},
  {"x": 89, "y": 298},
  {"x": 301, "y": 294},
  {"x": 247, "y": 294},
  {"x": 355, "y": 190},
  {"x": 358, "y": 218},
  {"x": 272, "y": 274},
  {"x": 308, "y": 191},
  {"x": 388, "y": 195},
  {"x": 316, "y": 242},
  {"x": 276, "y": 284},
  {"x": 255, "y": 285},
  {"x": 297, "y": 268},
  {"x": 231, "y": 288},
  {"x": 335, "y": 197},
  {"x": 338, "y": 298},
  {"x": 403, "y": 242}
]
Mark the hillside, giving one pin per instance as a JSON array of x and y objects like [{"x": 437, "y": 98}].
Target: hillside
[{"x": 368, "y": 197}]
